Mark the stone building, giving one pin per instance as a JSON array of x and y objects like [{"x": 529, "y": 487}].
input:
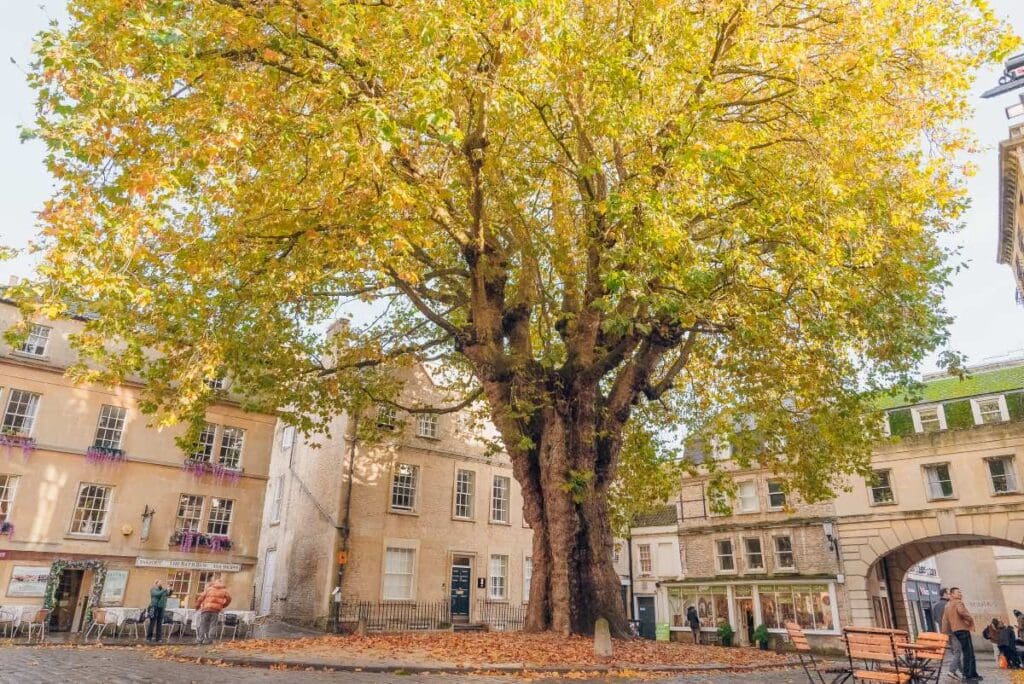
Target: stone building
[
  {"x": 423, "y": 516},
  {"x": 1010, "y": 248},
  {"x": 98, "y": 504}
]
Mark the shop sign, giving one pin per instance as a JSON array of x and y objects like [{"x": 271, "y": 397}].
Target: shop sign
[{"x": 174, "y": 564}]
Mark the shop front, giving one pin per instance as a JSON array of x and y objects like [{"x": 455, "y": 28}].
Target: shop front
[
  {"x": 746, "y": 605},
  {"x": 920, "y": 596}
]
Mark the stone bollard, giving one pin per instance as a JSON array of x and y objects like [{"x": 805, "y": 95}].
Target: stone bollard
[{"x": 602, "y": 639}]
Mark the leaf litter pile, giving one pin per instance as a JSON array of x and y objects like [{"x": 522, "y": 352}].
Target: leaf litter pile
[{"x": 496, "y": 648}]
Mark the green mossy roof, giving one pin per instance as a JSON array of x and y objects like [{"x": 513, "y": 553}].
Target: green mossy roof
[{"x": 944, "y": 389}]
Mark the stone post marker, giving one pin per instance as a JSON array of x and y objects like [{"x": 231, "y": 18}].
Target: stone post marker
[{"x": 602, "y": 638}]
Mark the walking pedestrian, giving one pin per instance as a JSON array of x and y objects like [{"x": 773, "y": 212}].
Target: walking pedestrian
[
  {"x": 951, "y": 660},
  {"x": 957, "y": 619},
  {"x": 157, "y": 604},
  {"x": 214, "y": 599},
  {"x": 693, "y": 620}
]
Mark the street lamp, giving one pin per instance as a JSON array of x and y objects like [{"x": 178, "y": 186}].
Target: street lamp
[{"x": 1012, "y": 78}]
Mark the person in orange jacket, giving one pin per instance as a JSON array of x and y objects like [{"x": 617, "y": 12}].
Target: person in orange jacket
[{"x": 210, "y": 603}]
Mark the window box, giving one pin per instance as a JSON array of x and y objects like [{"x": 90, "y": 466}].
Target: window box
[
  {"x": 7, "y": 529},
  {"x": 103, "y": 455},
  {"x": 18, "y": 440},
  {"x": 199, "y": 467},
  {"x": 191, "y": 540}
]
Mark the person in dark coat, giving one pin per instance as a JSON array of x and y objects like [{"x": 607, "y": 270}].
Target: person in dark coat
[
  {"x": 1006, "y": 640},
  {"x": 157, "y": 605},
  {"x": 693, "y": 620}
]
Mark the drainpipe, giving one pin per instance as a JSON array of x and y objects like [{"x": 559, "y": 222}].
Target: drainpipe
[
  {"x": 629, "y": 558},
  {"x": 346, "y": 526}
]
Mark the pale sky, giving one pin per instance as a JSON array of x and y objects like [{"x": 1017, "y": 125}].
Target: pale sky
[{"x": 988, "y": 322}]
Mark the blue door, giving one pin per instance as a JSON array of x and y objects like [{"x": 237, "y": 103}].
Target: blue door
[{"x": 460, "y": 590}]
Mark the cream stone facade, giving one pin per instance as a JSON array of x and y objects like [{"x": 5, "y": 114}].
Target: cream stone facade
[
  {"x": 85, "y": 480},
  {"x": 1010, "y": 249},
  {"x": 425, "y": 515}
]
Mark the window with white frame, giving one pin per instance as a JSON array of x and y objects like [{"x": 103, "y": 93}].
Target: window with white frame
[
  {"x": 644, "y": 558},
  {"x": 398, "y": 573},
  {"x": 386, "y": 416},
  {"x": 20, "y": 414},
  {"x": 35, "y": 343},
  {"x": 784, "y": 552},
  {"x": 754, "y": 554},
  {"x": 880, "y": 487},
  {"x": 204, "y": 444},
  {"x": 940, "y": 482},
  {"x": 1002, "y": 474},
  {"x": 989, "y": 410},
  {"x": 287, "y": 436},
  {"x": 499, "y": 578},
  {"x": 426, "y": 425},
  {"x": 8, "y": 488},
  {"x": 527, "y": 577},
  {"x": 724, "y": 555},
  {"x": 465, "y": 482},
  {"x": 746, "y": 495},
  {"x": 203, "y": 579},
  {"x": 776, "y": 496},
  {"x": 217, "y": 384},
  {"x": 500, "y": 499},
  {"x": 232, "y": 440},
  {"x": 220, "y": 516},
  {"x": 179, "y": 582},
  {"x": 110, "y": 429},
  {"x": 190, "y": 512},
  {"x": 91, "y": 510},
  {"x": 928, "y": 418},
  {"x": 403, "y": 487},
  {"x": 278, "y": 503}
]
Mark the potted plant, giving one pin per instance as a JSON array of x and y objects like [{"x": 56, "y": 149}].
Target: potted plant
[
  {"x": 726, "y": 633},
  {"x": 761, "y": 637}
]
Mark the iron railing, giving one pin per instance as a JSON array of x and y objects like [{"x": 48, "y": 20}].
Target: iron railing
[
  {"x": 501, "y": 617},
  {"x": 396, "y": 616}
]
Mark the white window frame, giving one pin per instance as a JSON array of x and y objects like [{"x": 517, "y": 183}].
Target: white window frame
[
  {"x": 644, "y": 559},
  {"x": 277, "y": 503},
  {"x": 427, "y": 425},
  {"x": 915, "y": 414},
  {"x": 1004, "y": 413},
  {"x": 742, "y": 501},
  {"x": 8, "y": 492},
  {"x": 287, "y": 436},
  {"x": 527, "y": 577},
  {"x": 111, "y": 423},
  {"x": 771, "y": 506},
  {"x": 501, "y": 505},
  {"x": 236, "y": 448},
  {"x": 206, "y": 444},
  {"x": 229, "y": 506},
  {"x": 747, "y": 554},
  {"x": 888, "y": 485},
  {"x": 497, "y": 577},
  {"x": 719, "y": 556},
  {"x": 387, "y": 416},
  {"x": 1009, "y": 474},
  {"x": 412, "y": 554},
  {"x": 77, "y": 520},
  {"x": 182, "y": 520},
  {"x": 464, "y": 502},
  {"x": 31, "y": 343},
  {"x": 28, "y": 420},
  {"x": 778, "y": 553},
  {"x": 408, "y": 490},
  {"x": 930, "y": 494}
]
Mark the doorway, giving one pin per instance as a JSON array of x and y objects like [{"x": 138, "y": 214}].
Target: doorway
[
  {"x": 645, "y": 615},
  {"x": 462, "y": 571},
  {"x": 745, "y": 614},
  {"x": 65, "y": 603}
]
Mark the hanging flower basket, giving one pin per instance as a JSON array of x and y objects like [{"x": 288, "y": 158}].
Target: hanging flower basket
[
  {"x": 221, "y": 473},
  {"x": 18, "y": 440},
  {"x": 103, "y": 455},
  {"x": 7, "y": 530},
  {"x": 190, "y": 540}
]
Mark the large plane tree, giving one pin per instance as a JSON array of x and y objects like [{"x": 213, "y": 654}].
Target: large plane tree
[{"x": 597, "y": 218}]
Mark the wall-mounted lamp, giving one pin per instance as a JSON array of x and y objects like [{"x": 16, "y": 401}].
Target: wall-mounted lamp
[
  {"x": 147, "y": 520},
  {"x": 829, "y": 528}
]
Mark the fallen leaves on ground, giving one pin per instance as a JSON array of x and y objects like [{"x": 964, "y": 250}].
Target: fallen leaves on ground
[{"x": 538, "y": 650}]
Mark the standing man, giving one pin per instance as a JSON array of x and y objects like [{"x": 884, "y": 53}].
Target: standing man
[
  {"x": 694, "y": 622},
  {"x": 957, "y": 619},
  {"x": 210, "y": 603},
  {"x": 953, "y": 656},
  {"x": 157, "y": 604}
]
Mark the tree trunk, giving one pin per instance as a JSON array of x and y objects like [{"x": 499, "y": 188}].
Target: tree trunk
[{"x": 565, "y": 483}]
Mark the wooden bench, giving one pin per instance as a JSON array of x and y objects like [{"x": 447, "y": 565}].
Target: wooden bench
[
  {"x": 812, "y": 668},
  {"x": 879, "y": 655}
]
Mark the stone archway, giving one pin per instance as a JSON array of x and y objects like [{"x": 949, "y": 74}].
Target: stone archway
[{"x": 903, "y": 539}]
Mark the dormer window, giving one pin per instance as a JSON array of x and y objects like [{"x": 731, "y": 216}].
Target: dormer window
[
  {"x": 928, "y": 418},
  {"x": 990, "y": 410}
]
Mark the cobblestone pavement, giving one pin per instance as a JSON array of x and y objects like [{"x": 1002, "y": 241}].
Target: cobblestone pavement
[{"x": 24, "y": 665}]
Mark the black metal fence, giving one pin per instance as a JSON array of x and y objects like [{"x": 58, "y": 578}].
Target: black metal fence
[
  {"x": 395, "y": 617},
  {"x": 501, "y": 617}
]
